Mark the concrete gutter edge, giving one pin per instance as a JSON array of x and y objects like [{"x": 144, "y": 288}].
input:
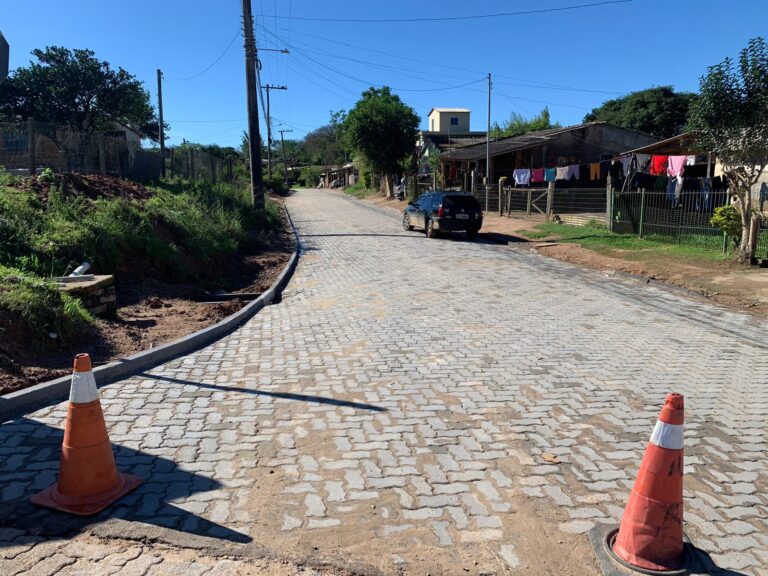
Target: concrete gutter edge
[{"x": 17, "y": 403}]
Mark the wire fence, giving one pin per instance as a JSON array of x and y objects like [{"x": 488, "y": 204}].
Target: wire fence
[
  {"x": 682, "y": 218},
  {"x": 193, "y": 163},
  {"x": 28, "y": 147}
]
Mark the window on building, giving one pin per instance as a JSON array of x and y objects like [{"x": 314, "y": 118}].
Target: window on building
[{"x": 454, "y": 121}]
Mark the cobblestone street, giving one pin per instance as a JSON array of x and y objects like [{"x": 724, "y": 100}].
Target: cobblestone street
[{"x": 412, "y": 406}]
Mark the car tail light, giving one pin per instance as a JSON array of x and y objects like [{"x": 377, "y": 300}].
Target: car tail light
[{"x": 440, "y": 212}]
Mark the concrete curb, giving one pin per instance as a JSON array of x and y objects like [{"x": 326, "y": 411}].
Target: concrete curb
[{"x": 18, "y": 403}]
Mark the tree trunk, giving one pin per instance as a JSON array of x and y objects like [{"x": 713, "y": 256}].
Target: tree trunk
[
  {"x": 749, "y": 226},
  {"x": 387, "y": 185}
]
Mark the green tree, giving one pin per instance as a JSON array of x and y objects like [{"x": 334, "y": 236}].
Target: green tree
[
  {"x": 383, "y": 130},
  {"x": 326, "y": 145},
  {"x": 658, "y": 111},
  {"x": 730, "y": 118},
  {"x": 73, "y": 88},
  {"x": 518, "y": 124}
]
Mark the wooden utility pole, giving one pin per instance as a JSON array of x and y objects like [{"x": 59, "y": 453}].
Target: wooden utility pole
[
  {"x": 285, "y": 160},
  {"x": 254, "y": 148},
  {"x": 160, "y": 121},
  {"x": 269, "y": 88},
  {"x": 488, "y": 176}
]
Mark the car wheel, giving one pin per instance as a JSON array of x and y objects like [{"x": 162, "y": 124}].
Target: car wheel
[
  {"x": 407, "y": 223},
  {"x": 430, "y": 230},
  {"x": 471, "y": 234}
]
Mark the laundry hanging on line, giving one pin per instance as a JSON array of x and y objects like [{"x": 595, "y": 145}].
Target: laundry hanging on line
[{"x": 522, "y": 176}]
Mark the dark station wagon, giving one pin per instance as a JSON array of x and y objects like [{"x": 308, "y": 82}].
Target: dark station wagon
[{"x": 440, "y": 211}]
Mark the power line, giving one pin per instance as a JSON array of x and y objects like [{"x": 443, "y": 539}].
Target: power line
[
  {"x": 452, "y": 67},
  {"x": 369, "y": 83},
  {"x": 452, "y": 18},
  {"x": 235, "y": 37}
]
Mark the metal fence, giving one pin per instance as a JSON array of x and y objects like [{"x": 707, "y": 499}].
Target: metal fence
[
  {"x": 28, "y": 147},
  {"x": 197, "y": 164},
  {"x": 682, "y": 218}
]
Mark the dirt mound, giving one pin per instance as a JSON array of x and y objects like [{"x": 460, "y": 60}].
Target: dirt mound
[{"x": 92, "y": 186}]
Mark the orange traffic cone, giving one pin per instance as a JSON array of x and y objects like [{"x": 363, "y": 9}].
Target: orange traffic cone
[
  {"x": 88, "y": 479},
  {"x": 651, "y": 532}
]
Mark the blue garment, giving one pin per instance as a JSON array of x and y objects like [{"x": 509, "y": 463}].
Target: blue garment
[
  {"x": 550, "y": 174},
  {"x": 671, "y": 188}
]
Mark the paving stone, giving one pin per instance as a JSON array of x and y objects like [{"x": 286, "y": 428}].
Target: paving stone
[{"x": 442, "y": 433}]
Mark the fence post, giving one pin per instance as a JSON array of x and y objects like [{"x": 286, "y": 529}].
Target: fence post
[
  {"x": 609, "y": 204},
  {"x": 725, "y": 243},
  {"x": 550, "y": 200},
  {"x": 32, "y": 146},
  {"x": 528, "y": 206},
  {"x": 501, "y": 205},
  {"x": 642, "y": 211},
  {"x": 102, "y": 156}
]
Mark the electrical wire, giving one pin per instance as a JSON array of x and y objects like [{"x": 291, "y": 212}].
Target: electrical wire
[
  {"x": 369, "y": 83},
  {"x": 453, "y": 18},
  {"x": 231, "y": 42},
  {"x": 454, "y": 68}
]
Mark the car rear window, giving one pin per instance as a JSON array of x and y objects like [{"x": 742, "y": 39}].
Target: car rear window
[{"x": 461, "y": 202}]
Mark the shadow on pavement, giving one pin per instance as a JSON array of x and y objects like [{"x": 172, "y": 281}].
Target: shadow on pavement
[
  {"x": 363, "y": 234},
  {"x": 282, "y": 395},
  {"x": 29, "y": 462}
]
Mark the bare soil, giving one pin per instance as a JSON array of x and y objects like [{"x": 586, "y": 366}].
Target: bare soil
[
  {"x": 150, "y": 313},
  {"x": 724, "y": 282}
]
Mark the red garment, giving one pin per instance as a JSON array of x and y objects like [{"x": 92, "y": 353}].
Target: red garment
[
  {"x": 658, "y": 165},
  {"x": 537, "y": 175}
]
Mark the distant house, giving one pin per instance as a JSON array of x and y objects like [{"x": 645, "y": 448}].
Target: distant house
[
  {"x": 346, "y": 175},
  {"x": 5, "y": 51},
  {"x": 448, "y": 130},
  {"x": 448, "y": 120},
  {"x": 557, "y": 147}
]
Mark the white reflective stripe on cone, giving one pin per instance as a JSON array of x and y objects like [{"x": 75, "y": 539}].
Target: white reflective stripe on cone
[
  {"x": 83, "y": 388},
  {"x": 668, "y": 435}
]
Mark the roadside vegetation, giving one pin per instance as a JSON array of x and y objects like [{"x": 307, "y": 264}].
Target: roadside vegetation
[
  {"x": 599, "y": 239},
  {"x": 177, "y": 231},
  {"x": 359, "y": 190}
]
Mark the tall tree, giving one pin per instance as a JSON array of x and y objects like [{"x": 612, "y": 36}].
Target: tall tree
[
  {"x": 73, "y": 88},
  {"x": 326, "y": 144},
  {"x": 382, "y": 129},
  {"x": 659, "y": 111},
  {"x": 518, "y": 124},
  {"x": 730, "y": 118}
]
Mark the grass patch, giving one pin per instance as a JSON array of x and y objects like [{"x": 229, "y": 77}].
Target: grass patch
[
  {"x": 178, "y": 234},
  {"x": 358, "y": 190},
  {"x": 598, "y": 238},
  {"x": 42, "y": 307}
]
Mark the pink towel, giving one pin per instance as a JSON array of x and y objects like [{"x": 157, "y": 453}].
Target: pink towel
[
  {"x": 676, "y": 166},
  {"x": 537, "y": 175}
]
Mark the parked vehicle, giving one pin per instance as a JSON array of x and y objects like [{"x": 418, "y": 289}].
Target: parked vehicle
[{"x": 441, "y": 211}]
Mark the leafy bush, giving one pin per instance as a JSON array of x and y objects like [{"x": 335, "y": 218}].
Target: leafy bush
[
  {"x": 42, "y": 307},
  {"x": 309, "y": 176},
  {"x": 728, "y": 219},
  {"x": 276, "y": 185},
  {"x": 6, "y": 178}
]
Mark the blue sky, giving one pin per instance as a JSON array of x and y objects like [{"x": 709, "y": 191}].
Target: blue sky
[{"x": 570, "y": 60}]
